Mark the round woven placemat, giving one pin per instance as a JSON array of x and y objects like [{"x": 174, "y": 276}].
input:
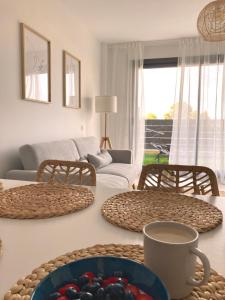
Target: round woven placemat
[
  {"x": 0, "y": 247},
  {"x": 132, "y": 210},
  {"x": 43, "y": 200},
  {"x": 1, "y": 186},
  {"x": 22, "y": 290}
]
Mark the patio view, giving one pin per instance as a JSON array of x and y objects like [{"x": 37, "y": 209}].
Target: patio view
[
  {"x": 157, "y": 140},
  {"x": 159, "y": 97}
]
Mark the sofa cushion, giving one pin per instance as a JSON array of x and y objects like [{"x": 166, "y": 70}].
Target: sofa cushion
[
  {"x": 25, "y": 175},
  {"x": 111, "y": 181},
  {"x": 103, "y": 180},
  {"x": 87, "y": 145},
  {"x": 129, "y": 171},
  {"x": 100, "y": 160},
  {"x": 33, "y": 155}
]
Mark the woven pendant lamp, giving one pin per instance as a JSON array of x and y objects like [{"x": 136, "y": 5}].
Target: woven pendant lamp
[{"x": 211, "y": 21}]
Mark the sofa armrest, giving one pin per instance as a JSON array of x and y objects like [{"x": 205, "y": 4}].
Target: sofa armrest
[
  {"x": 121, "y": 156},
  {"x": 27, "y": 175}
]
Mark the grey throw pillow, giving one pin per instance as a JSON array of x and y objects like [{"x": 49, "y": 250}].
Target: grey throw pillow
[{"x": 100, "y": 160}]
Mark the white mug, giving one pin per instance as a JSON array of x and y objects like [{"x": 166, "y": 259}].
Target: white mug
[{"x": 170, "y": 251}]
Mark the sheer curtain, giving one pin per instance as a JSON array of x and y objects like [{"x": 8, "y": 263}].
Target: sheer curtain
[
  {"x": 198, "y": 135},
  {"x": 122, "y": 70}
]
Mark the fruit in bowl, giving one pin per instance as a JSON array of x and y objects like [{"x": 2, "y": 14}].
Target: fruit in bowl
[{"x": 101, "y": 278}]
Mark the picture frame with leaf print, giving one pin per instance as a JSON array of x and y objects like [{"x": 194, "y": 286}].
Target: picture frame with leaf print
[
  {"x": 71, "y": 81},
  {"x": 36, "y": 65}
]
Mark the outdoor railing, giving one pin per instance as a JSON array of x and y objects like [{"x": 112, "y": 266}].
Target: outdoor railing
[{"x": 158, "y": 133}]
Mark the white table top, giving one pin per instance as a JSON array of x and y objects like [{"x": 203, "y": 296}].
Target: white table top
[{"x": 29, "y": 243}]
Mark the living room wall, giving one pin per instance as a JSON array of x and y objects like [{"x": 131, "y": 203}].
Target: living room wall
[{"x": 23, "y": 121}]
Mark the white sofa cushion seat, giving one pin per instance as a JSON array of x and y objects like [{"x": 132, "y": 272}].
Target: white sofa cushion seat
[
  {"x": 129, "y": 171},
  {"x": 111, "y": 181},
  {"x": 33, "y": 155},
  {"x": 103, "y": 180},
  {"x": 25, "y": 175}
]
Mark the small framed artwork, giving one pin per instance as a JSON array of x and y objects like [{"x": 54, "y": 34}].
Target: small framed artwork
[
  {"x": 71, "y": 81},
  {"x": 36, "y": 65}
]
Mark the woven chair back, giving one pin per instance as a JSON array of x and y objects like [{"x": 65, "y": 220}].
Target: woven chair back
[
  {"x": 179, "y": 178},
  {"x": 66, "y": 172}
]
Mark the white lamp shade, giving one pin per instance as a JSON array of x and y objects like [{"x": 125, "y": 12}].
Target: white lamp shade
[{"x": 106, "y": 104}]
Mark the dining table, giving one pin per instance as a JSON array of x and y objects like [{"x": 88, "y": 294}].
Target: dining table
[{"x": 28, "y": 243}]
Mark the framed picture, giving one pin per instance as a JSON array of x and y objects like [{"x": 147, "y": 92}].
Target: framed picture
[
  {"x": 71, "y": 81},
  {"x": 36, "y": 66}
]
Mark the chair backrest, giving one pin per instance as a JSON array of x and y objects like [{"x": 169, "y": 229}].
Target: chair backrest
[
  {"x": 179, "y": 178},
  {"x": 66, "y": 172}
]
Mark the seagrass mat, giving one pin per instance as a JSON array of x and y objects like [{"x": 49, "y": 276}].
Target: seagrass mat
[
  {"x": 132, "y": 210},
  {"x": 1, "y": 186},
  {"x": 22, "y": 290},
  {"x": 43, "y": 200},
  {"x": 0, "y": 247}
]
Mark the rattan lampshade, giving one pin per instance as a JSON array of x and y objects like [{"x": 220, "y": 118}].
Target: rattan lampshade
[{"x": 211, "y": 21}]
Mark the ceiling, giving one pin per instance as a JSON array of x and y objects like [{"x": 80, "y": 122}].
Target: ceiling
[{"x": 138, "y": 20}]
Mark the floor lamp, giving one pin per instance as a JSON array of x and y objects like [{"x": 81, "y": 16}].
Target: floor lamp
[{"x": 106, "y": 104}]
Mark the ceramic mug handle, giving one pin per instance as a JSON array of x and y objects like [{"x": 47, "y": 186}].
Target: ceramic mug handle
[{"x": 206, "y": 267}]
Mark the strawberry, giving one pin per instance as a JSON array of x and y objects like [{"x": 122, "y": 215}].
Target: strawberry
[
  {"x": 105, "y": 283},
  {"x": 63, "y": 289},
  {"x": 133, "y": 289},
  {"x": 144, "y": 297},
  {"x": 90, "y": 275}
]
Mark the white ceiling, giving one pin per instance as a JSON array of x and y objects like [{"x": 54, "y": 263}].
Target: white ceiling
[{"x": 143, "y": 20}]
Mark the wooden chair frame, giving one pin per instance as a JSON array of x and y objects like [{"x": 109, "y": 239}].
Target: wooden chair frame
[
  {"x": 66, "y": 172},
  {"x": 179, "y": 178}
]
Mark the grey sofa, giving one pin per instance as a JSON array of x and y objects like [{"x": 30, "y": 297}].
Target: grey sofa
[{"x": 120, "y": 173}]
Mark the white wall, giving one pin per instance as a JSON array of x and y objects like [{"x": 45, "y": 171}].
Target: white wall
[{"x": 29, "y": 122}]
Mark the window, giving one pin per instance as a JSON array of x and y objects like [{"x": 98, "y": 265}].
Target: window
[
  {"x": 160, "y": 80},
  {"x": 201, "y": 94}
]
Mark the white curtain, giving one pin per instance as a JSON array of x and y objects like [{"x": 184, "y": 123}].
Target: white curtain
[
  {"x": 122, "y": 70},
  {"x": 198, "y": 136}
]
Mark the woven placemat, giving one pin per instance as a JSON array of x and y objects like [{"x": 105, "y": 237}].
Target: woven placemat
[
  {"x": 132, "y": 210},
  {"x": 43, "y": 200},
  {"x": 22, "y": 290},
  {"x": 1, "y": 186},
  {"x": 0, "y": 247}
]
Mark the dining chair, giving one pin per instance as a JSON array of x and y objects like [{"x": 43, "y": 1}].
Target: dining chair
[
  {"x": 179, "y": 178},
  {"x": 66, "y": 172}
]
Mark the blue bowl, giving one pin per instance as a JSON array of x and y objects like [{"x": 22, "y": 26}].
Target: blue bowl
[{"x": 136, "y": 273}]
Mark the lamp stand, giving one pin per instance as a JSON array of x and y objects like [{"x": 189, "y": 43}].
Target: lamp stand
[{"x": 105, "y": 141}]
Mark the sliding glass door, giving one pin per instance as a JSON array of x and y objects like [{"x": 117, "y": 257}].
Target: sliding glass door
[{"x": 160, "y": 80}]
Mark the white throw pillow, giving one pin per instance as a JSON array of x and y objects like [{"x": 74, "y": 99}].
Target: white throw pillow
[{"x": 100, "y": 160}]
